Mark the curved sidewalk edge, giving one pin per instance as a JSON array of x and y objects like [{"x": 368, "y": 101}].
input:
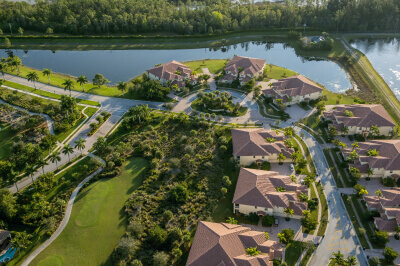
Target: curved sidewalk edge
[{"x": 64, "y": 222}]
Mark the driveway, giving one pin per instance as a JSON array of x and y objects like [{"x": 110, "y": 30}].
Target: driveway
[
  {"x": 372, "y": 185},
  {"x": 296, "y": 112},
  {"x": 283, "y": 169}
]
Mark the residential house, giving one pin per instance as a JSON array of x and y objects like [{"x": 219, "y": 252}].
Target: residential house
[
  {"x": 251, "y": 145},
  {"x": 267, "y": 192},
  {"x": 359, "y": 118},
  {"x": 309, "y": 39},
  {"x": 293, "y": 90},
  {"x": 385, "y": 162},
  {"x": 243, "y": 68},
  {"x": 388, "y": 206},
  {"x": 5, "y": 246},
  {"x": 172, "y": 73},
  {"x": 217, "y": 244}
]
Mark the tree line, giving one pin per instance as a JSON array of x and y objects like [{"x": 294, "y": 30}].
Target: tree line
[{"x": 195, "y": 17}]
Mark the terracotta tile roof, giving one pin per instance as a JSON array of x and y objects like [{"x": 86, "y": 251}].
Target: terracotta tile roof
[
  {"x": 385, "y": 225},
  {"x": 229, "y": 77},
  {"x": 252, "y": 142},
  {"x": 389, "y": 154},
  {"x": 225, "y": 244},
  {"x": 3, "y": 235},
  {"x": 364, "y": 115},
  {"x": 258, "y": 188},
  {"x": 373, "y": 202},
  {"x": 296, "y": 85},
  {"x": 392, "y": 212},
  {"x": 167, "y": 71},
  {"x": 251, "y": 66}
]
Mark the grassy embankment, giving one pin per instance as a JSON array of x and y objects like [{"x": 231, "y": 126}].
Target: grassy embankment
[{"x": 97, "y": 221}]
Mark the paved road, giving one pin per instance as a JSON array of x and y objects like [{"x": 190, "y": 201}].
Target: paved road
[
  {"x": 116, "y": 106},
  {"x": 340, "y": 233}
]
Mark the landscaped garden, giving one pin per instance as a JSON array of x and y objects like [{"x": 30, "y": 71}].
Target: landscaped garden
[
  {"x": 97, "y": 221},
  {"x": 218, "y": 103}
]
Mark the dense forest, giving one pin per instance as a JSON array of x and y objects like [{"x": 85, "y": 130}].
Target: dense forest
[{"x": 195, "y": 17}]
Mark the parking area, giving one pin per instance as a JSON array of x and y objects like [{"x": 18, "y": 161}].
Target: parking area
[
  {"x": 273, "y": 231},
  {"x": 372, "y": 185}
]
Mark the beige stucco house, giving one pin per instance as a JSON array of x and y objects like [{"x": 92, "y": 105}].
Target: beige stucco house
[
  {"x": 173, "y": 73},
  {"x": 251, "y": 68}
]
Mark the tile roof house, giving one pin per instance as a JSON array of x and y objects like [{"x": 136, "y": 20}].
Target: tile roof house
[
  {"x": 5, "y": 242},
  {"x": 388, "y": 205},
  {"x": 218, "y": 244},
  {"x": 256, "y": 191},
  {"x": 293, "y": 90},
  {"x": 359, "y": 118},
  {"x": 172, "y": 72},
  {"x": 385, "y": 164},
  {"x": 252, "y": 68},
  {"x": 251, "y": 145}
]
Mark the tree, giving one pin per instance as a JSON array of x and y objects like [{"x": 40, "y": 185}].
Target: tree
[
  {"x": 47, "y": 72},
  {"x": 355, "y": 145},
  {"x": 286, "y": 235},
  {"x": 80, "y": 144},
  {"x": 294, "y": 156},
  {"x": 390, "y": 254},
  {"x": 231, "y": 220},
  {"x": 332, "y": 131},
  {"x": 167, "y": 215},
  {"x": 49, "y": 31},
  {"x": 306, "y": 213},
  {"x": 266, "y": 236},
  {"x": 8, "y": 207},
  {"x": 33, "y": 76},
  {"x": 41, "y": 163},
  {"x": 178, "y": 194},
  {"x": 339, "y": 97},
  {"x": 16, "y": 61},
  {"x": 55, "y": 157},
  {"x": 370, "y": 172},
  {"x": 68, "y": 85},
  {"x": 338, "y": 258},
  {"x": 21, "y": 240},
  {"x": 67, "y": 150},
  {"x": 122, "y": 87},
  {"x": 375, "y": 130},
  {"x": 157, "y": 236},
  {"x": 7, "y": 43},
  {"x": 281, "y": 157},
  {"x": 82, "y": 80},
  {"x": 351, "y": 260},
  {"x": 289, "y": 212},
  {"x": 2, "y": 69},
  {"x": 160, "y": 258},
  {"x": 345, "y": 130},
  {"x": 381, "y": 238},
  {"x": 100, "y": 144},
  {"x": 21, "y": 31},
  {"x": 252, "y": 251},
  {"x": 99, "y": 80},
  {"x": 379, "y": 193}
]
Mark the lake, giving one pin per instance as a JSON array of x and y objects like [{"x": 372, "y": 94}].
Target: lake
[
  {"x": 384, "y": 55},
  {"x": 122, "y": 65}
]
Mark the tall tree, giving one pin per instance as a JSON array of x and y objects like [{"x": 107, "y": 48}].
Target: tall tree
[
  {"x": 68, "y": 85},
  {"x": 82, "y": 80},
  {"x": 33, "y": 76},
  {"x": 47, "y": 72},
  {"x": 122, "y": 87},
  {"x": 55, "y": 158},
  {"x": 67, "y": 150},
  {"x": 80, "y": 144}
]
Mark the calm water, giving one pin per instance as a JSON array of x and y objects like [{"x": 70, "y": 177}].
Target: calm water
[
  {"x": 122, "y": 65},
  {"x": 384, "y": 55}
]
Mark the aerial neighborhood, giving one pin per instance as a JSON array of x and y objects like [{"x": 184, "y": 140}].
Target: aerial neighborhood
[{"x": 242, "y": 150}]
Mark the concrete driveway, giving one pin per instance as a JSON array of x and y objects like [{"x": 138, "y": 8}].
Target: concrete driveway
[
  {"x": 372, "y": 185},
  {"x": 283, "y": 169},
  {"x": 296, "y": 112}
]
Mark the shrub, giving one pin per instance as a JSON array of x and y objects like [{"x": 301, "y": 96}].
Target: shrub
[
  {"x": 388, "y": 181},
  {"x": 253, "y": 217},
  {"x": 157, "y": 236},
  {"x": 266, "y": 166},
  {"x": 226, "y": 181},
  {"x": 268, "y": 220},
  {"x": 390, "y": 254},
  {"x": 178, "y": 194},
  {"x": 160, "y": 258},
  {"x": 381, "y": 238},
  {"x": 135, "y": 228}
]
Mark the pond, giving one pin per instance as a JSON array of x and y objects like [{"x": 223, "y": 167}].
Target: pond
[
  {"x": 122, "y": 65},
  {"x": 384, "y": 55}
]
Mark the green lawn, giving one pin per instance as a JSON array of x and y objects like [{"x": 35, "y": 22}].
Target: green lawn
[
  {"x": 324, "y": 210},
  {"x": 342, "y": 171},
  {"x": 45, "y": 93},
  {"x": 293, "y": 252},
  {"x": 6, "y": 140},
  {"x": 314, "y": 122},
  {"x": 277, "y": 72},
  {"x": 214, "y": 65},
  {"x": 90, "y": 111},
  {"x": 333, "y": 169},
  {"x": 97, "y": 221}
]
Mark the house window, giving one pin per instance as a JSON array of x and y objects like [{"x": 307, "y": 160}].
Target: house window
[
  {"x": 266, "y": 209},
  {"x": 360, "y": 128},
  {"x": 238, "y": 157},
  {"x": 391, "y": 171},
  {"x": 236, "y": 206},
  {"x": 255, "y": 207},
  {"x": 254, "y": 156},
  {"x": 263, "y": 157}
]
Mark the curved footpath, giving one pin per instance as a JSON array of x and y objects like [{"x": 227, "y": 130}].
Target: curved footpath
[
  {"x": 65, "y": 220},
  {"x": 340, "y": 233}
]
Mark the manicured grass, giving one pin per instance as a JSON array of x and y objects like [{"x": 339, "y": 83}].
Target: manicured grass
[
  {"x": 314, "y": 213},
  {"x": 214, "y": 65},
  {"x": 314, "y": 122},
  {"x": 333, "y": 169},
  {"x": 89, "y": 111},
  {"x": 324, "y": 209},
  {"x": 61, "y": 136},
  {"x": 307, "y": 256},
  {"x": 355, "y": 223},
  {"x": 277, "y": 72},
  {"x": 307, "y": 154},
  {"x": 293, "y": 252},
  {"x": 45, "y": 93},
  {"x": 97, "y": 221},
  {"x": 7, "y": 137},
  {"x": 333, "y": 97},
  {"x": 344, "y": 175}
]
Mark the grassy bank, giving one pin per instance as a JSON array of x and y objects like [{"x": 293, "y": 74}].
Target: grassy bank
[{"x": 97, "y": 221}]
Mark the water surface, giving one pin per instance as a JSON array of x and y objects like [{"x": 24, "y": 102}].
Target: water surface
[{"x": 122, "y": 65}]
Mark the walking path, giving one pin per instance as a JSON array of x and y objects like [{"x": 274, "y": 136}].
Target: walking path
[{"x": 65, "y": 220}]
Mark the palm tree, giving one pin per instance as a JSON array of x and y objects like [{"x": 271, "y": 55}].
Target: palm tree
[
  {"x": 289, "y": 212},
  {"x": 16, "y": 61},
  {"x": 68, "y": 150},
  {"x": 345, "y": 130},
  {"x": 82, "y": 80},
  {"x": 47, "y": 72},
  {"x": 20, "y": 240},
  {"x": 30, "y": 170},
  {"x": 231, "y": 220},
  {"x": 33, "y": 76},
  {"x": 294, "y": 156},
  {"x": 68, "y": 85},
  {"x": 370, "y": 172},
  {"x": 55, "y": 157},
  {"x": 306, "y": 213},
  {"x": 2, "y": 68},
  {"x": 281, "y": 157},
  {"x": 42, "y": 163},
  {"x": 13, "y": 176},
  {"x": 122, "y": 87},
  {"x": 60, "y": 202},
  {"x": 355, "y": 145},
  {"x": 337, "y": 258},
  {"x": 375, "y": 130},
  {"x": 281, "y": 237},
  {"x": 351, "y": 261},
  {"x": 80, "y": 144}
]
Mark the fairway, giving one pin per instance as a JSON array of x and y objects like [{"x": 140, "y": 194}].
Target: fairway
[{"x": 97, "y": 221}]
